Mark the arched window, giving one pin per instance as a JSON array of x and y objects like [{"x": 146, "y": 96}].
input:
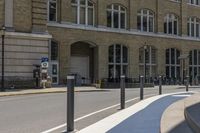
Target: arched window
[
  {"x": 147, "y": 60},
  {"x": 116, "y": 16},
  {"x": 171, "y": 24},
  {"x": 83, "y": 12},
  {"x": 193, "y": 27},
  {"x": 52, "y": 10},
  {"x": 194, "y": 64},
  {"x": 145, "y": 20},
  {"x": 118, "y": 61},
  {"x": 172, "y": 63}
]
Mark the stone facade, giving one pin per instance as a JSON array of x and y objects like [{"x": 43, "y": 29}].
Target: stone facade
[
  {"x": 26, "y": 40},
  {"x": 30, "y": 16}
]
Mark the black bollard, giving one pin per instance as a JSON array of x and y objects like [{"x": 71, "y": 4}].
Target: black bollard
[
  {"x": 122, "y": 91},
  {"x": 141, "y": 87},
  {"x": 70, "y": 103},
  {"x": 187, "y": 83},
  {"x": 160, "y": 85}
]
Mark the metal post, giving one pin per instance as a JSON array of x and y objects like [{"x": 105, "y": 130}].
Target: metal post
[
  {"x": 160, "y": 85},
  {"x": 70, "y": 103},
  {"x": 187, "y": 83},
  {"x": 145, "y": 65},
  {"x": 2, "y": 67},
  {"x": 122, "y": 85},
  {"x": 141, "y": 87}
]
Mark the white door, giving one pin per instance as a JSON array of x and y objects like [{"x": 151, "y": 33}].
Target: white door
[{"x": 80, "y": 66}]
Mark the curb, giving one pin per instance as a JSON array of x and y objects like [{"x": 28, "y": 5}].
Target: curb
[{"x": 48, "y": 92}]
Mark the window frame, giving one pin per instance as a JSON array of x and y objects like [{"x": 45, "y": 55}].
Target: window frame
[
  {"x": 149, "y": 64},
  {"x": 114, "y": 63},
  {"x": 175, "y": 64},
  {"x": 141, "y": 14},
  {"x": 119, "y": 11},
  {"x": 171, "y": 18},
  {"x": 195, "y": 21},
  {"x": 86, "y": 7},
  {"x": 54, "y": 1}
]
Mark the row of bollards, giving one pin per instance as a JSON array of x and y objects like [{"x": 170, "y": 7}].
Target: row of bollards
[{"x": 70, "y": 96}]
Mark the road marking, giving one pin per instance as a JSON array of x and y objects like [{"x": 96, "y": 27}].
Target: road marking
[
  {"x": 96, "y": 112},
  {"x": 113, "y": 120},
  {"x": 181, "y": 95}
]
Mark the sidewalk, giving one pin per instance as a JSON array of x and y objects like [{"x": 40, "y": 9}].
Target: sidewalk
[
  {"x": 143, "y": 117},
  {"x": 47, "y": 90}
]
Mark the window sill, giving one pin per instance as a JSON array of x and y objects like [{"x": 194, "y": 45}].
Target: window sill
[{"x": 193, "y": 5}]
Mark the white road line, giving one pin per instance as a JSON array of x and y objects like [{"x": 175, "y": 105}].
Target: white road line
[{"x": 96, "y": 112}]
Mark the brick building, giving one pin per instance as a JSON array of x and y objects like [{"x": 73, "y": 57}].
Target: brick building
[{"x": 99, "y": 39}]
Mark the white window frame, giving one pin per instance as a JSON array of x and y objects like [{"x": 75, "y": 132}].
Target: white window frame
[
  {"x": 193, "y": 65},
  {"x": 142, "y": 15},
  {"x": 150, "y": 64},
  {"x": 114, "y": 63},
  {"x": 86, "y": 7},
  {"x": 170, "y": 65},
  {"x": 195, "y": 21},
  {"x": 119, "y": 11},
  {"x": 171, "y": 18},
  {"x": 48, "y": 10}
]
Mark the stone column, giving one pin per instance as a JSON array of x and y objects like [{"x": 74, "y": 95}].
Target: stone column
[
  {"x": 102, "y": 61},
  {"x": 161, "y": 58},
  {"x": 133, "y": 61},
  {"x": 184, "y": 17},
  {"x": 64, "y": 61}
]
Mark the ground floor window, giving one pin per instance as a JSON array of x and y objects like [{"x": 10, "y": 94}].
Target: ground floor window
[
  {"x": 172, "y": 63},
  {"x": 147, "y": 60},
  {"x": 194, "y": 64},
  {"x": 118, "y": 61}
]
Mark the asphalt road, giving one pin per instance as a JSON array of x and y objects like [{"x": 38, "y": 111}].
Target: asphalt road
[{"x": 39, "y": 113}]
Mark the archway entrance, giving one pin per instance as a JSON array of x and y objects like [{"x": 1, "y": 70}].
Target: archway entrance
[{"x": 82, "y": 62}]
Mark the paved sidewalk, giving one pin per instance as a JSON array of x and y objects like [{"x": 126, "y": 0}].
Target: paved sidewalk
[
  {"x": 47, "y": 90},
  {"x": 143, "y": 117}
]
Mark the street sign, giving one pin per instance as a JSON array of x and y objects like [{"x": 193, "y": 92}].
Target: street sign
[
  {"x": 45, "y": 59},
  {"x": 44, "y": 64}
]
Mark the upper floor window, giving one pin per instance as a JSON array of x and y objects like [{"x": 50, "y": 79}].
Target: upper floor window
[
  {"x": 194, "y": 2},
  {"x": 54, "y": 50},
  {"x": 193, "y": 27},
  {"x": 52, "y": 10},
  {"x": 116, "y": 16},
  {"x": 83, "y": 12},
  {"x": 171, "y": 24},
  {"x": 145, "y": 20}
]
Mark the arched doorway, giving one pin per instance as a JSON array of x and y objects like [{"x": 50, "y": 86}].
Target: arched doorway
[{"x": 82, "y": 62}]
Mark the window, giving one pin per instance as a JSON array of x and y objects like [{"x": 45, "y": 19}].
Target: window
[
  {"x": 116, "y": 16},
  {"x": 171, "y": 24},
  {"x": 52, "y": 10},
  {"x": 172, "y": 63},
  {"x": 54, "y": 51},
  {"x": 145, "y": 20},
  {"x": 194, "y": 64},
  {"x": 193, "y": 27},
  {"x": 194, "y": 2},
  {"x": 118, "y": 61},
  {"x": 147, "y": 58},
  {"x": 83, "y": 12}
]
